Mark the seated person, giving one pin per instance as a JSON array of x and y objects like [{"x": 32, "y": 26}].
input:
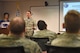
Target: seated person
[
  {"x": 3, "y": 35},
  {"x": 44, "y": 32},
  {"x": 5, "y": 22},
  {"x": 6, "y": 17},
  {"x": 17, "y": 37},
  {"x": 72, "y": 26}
]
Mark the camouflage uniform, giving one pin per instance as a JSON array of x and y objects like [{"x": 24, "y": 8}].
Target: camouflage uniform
[
  {"x": 67, "y": 40},
  {"x": 29, "y": 46},
  {"x": 30, "y": 25},
  {"x": 3, "y": 35},
  {"x": 45, "y": 33}
]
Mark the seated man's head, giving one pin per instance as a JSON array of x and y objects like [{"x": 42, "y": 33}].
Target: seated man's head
[
  {"x": 72, "y": 21},
  {"x": 17, "y": 26},
  {"x": 41, "y": 25},
  {"x": 6, "y": 15}
]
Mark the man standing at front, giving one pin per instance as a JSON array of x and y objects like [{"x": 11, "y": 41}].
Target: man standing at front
[{"x": 30, "y": 24}]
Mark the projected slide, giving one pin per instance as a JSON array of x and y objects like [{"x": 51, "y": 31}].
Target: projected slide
[
  {"x": 70, "y": 6},
  {"x": 64, "y": 8}
]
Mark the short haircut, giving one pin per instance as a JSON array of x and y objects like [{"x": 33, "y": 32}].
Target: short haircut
[
  {"x": 18, "y": 26},
  {"x": 41, "y": 25},
  {"x": 29, "y": 11},
  {"x": 6, "y": 14},
  {"x": 72, "y": 21}
]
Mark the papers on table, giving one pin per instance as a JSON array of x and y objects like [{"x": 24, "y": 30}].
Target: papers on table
[{"x": 4, "y": 24}]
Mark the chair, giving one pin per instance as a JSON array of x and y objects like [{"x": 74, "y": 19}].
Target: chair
[
  {"x": 57, "y": 49},
  {"x": 19, "y": 49},
  {"x": 41, "y": 42}
]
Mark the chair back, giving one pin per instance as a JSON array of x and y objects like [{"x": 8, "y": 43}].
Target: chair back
[
  {"x": 41, "y": 42},
  {"x": 18, "y": 49},
  {"x": 57, "y": 49}
]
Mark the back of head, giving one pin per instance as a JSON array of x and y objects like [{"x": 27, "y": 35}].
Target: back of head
[
  {"x": 17, "y": 26},
  {"x": 72, "y": 21},
  {"x": 41, "y": 25}
]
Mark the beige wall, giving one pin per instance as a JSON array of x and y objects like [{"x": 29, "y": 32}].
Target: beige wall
[
  {"x": 10, "y": 6},
  {"x": 1, "y": 9}
]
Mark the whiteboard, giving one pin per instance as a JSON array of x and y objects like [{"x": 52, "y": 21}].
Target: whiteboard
[{"x": 49, "y": 14}]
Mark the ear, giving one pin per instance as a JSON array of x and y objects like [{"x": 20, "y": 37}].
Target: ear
[{"x": 64, "y": 25}]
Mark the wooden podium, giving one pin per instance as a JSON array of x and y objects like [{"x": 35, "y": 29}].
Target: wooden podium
[
  {"x": 4, "y": 31},
  {"x": 3, "y": 28}
]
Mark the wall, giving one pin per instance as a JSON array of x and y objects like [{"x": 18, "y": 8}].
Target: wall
[
  {"x": 24, "y": 5},
  {"x": 49, "y": 14},
  {"x": 10, "y": 6},
  {"x": 1, "y": 9},
  {"x": 53, "y": 2}
]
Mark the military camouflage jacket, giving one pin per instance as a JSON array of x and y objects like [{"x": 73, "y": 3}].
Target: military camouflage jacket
[
  {"x": 29, "y": 45},
  {"x": 67, "y": 40}
]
